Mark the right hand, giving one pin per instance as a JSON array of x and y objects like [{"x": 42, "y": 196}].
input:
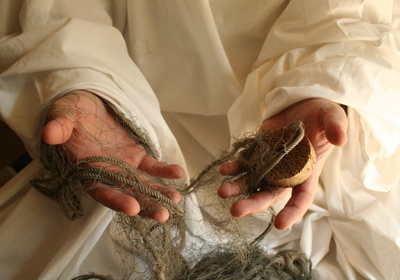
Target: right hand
[
  {"x": 326, "y": 124},
  {"x": 84, "y": 127}
]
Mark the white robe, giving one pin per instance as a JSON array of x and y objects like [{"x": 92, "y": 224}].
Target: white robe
[{"x": 193, "y": 73}]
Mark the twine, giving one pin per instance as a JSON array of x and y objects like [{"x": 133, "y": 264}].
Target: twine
[{"x": 160, "y": 245}]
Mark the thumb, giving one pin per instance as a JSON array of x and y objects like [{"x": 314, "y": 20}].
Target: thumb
[
  {"x": 58, "y": 131},
  {"x": 335, "y": 124}
]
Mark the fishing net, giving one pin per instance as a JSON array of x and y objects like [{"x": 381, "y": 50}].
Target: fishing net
[{"x": 270, "y": 160}]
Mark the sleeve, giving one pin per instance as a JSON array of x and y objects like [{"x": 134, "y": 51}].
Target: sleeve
[
  {"x": 344, "y": 51},
  {"x": 65, "y": 46}
]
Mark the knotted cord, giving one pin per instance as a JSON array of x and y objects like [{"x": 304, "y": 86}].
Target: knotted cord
[{"x": 160, "y": 245}]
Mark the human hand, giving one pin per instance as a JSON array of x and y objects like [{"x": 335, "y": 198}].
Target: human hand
[
  {"x": 325, "y": 125},
  {"x": 81, "y": 125}
]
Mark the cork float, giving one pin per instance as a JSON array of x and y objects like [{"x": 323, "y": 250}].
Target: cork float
[{"x": 294, "y": 166}]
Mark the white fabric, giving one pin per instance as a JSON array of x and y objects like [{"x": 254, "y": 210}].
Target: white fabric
[{"x": 210, "y": 69}]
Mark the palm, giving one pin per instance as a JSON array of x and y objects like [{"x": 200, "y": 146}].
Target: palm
[
  {"x": 83, "y": 127},
  {"x": 325, "y": 124}
]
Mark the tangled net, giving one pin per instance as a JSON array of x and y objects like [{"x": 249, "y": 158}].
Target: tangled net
[{"x": 161, "y": 245}]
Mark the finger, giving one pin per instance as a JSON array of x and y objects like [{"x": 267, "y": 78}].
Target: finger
[
  {"x": 161, "y": 215},
  {"x": 114, "y": 199},
  {"x": 134, "y": 201},
  {"x": 57, "y": 131},
  {"x": 151, "y": 206},
  {"x": 168, "y": 192},
  {"x": 227, "y": 190},
  {"x": 153, "y": 210},
  {"x": 257, "y": 202},
  {"x": 335, "y": 124},
  {"x": 302, "y": 197},
  {"x": 161, "y": 169},
  {"x": 230, "y": 168}
]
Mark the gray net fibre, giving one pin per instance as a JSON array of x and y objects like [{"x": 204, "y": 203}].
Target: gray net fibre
[{"x": 164, "y": 248}]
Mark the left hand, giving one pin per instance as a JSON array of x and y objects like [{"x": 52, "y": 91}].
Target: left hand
[
  {"x": 81, "y": 125},
  {"x": 325, "y": 125}
]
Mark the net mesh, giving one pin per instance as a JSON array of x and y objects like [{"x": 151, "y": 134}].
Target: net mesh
[{"x": 264, "y": 158}]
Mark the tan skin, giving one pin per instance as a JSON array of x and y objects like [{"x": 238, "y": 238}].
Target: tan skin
[
  {"x": 69, "y": 130},
  {"x": 325, "y": 123}
]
